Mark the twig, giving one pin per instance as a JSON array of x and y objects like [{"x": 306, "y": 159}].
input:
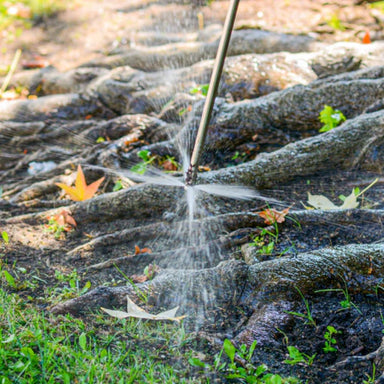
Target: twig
[{"x": 12, "y": 69}]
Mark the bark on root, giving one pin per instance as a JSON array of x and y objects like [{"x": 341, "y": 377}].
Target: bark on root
[{"x": 269, "y": 288}]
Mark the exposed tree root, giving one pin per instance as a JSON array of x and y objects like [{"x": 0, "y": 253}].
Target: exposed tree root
[
  {"x": 269, "y": 288},
  {"x": 186, "y": 54}
]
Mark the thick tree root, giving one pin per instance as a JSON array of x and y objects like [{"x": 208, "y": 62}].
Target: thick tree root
[
  {"x": 186, "y": 54},
  {"x": 269, "y": 288},
  {"x": 376, "y": 356}
]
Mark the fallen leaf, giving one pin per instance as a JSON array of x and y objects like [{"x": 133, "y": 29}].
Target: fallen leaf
[
  {"x": 134, "y": 310},
  {"x": 37, "y": 62},
  {"x": 128, "y": 142},
  {"x": 19, "y": 10},
  {"x": 322, "y": 202},
  {"x": 169, "y": 165},
  {"x": 272, "y": 216},
  {"x": 81, "y": 191},
  {"x": 64, "y": 219},
  {"x": 139, "y": 278},
  {"x": 142, "y": 250},
  {"x": 367, "y": 38}
]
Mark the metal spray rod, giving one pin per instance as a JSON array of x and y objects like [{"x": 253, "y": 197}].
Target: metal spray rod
[{"x": 191, "y": 174}]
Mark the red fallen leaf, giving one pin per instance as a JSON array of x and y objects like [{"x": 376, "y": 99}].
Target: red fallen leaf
[
  {"x": 149, "y": 273},
  {"x": 367, "y": 38},
  {"x": 168, "y": 165},
  {"x": 142, "y": 250},
  {"x": 37, "y": 62},
  {"x": 88, "y": 117},
  {"x": 139, "y": 278},
  {"x": 272, "y": 216},
  {"x": 64, "y": 219},
  {"x": 130, "y": 141}
]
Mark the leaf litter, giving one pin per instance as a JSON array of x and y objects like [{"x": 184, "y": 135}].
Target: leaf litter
[
  {"x": 350, "y": 201},
  {"x": 81, "y": 191},
  {"x": 134, "y": 310}
]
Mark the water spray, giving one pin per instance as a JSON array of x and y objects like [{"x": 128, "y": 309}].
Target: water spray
[{"x": 191, "y": 174}]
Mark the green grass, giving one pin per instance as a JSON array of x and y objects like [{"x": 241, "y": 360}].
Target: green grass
[
  {"x": 36, "y": 347},
  {"x": 38, "y": 10}
]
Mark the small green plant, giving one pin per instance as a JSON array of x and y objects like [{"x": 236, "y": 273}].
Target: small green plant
[
  {"x": 151, "y": 270},
  {"x": 70, "y": 289},
  {"x": 5, "y": 237},
  {"x": 331, "y": 118},
  {"x": 200, "y": 89},
  {"x": 245, "y": 373},
  {"x": 9, "y": 278},
  {"x": 335, "y": 23},
  {"x": 54, "y": 227},
  {"x": 371, "y": 379},
  {"x": 356, "y": 191},
  {"x": 297, "y": 357},
  {"x": 142, "y": 167},
  {"x": 308, "y": 314},
  {"x": 169, "y": 164},
  {"x": 347, "y": 302},
  {"x": 330, "y": 341},
  {"x": 118, "y": 185},
  {"x": 100, "y": 140},
  {"x": 263, "y": 243}
]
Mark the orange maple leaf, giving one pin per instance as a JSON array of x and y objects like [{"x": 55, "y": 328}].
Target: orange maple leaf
[
  {"x": 272, "y": 216},
  {"x": 142, "y": 250},
  {"x": 81, "y": 191},
  {"x": 367, "y": 38}
]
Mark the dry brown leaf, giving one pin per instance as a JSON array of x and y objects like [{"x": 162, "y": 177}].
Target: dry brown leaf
[
  {"x": 168, "y": 165},
  {"x": 142, "y": 250},
  {"x": 64, "y": 219},
  {"x": 134, "y": 310},
  {"x": 139, "y": 278},
  {"x": 81, "y": 191},
  {"x": 272, "y": 216},
  {"x": 37, "y": 62},
  {"x": 322, "y": 202}
]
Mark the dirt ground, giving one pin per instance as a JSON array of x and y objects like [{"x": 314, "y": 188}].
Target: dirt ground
[{"x": 92, "y": 29}]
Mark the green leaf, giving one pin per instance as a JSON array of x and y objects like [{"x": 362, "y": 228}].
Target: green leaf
[
  {"x": 83, "y": 341},
  {"x": 251, "y": 350},
  {"x": 10, "y": 279},
  {"x": 5, "y": 237},
  {"x": 194, "y": 361},
  {"x": 331, "y": 118},
  {"x": 202, "y": 89},
  {"x": 274, "y": 379},
  {"x": 144, "y": 155},
  {"x": 118, "y": 185},
  {"x": 229, "y": 349}
]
